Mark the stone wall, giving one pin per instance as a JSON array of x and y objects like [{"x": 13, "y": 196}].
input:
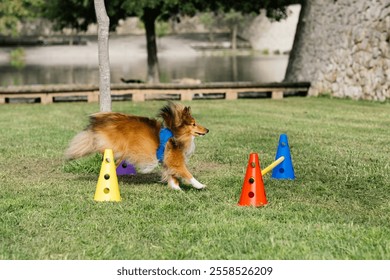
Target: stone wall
[{"x": 344, "y": 48}]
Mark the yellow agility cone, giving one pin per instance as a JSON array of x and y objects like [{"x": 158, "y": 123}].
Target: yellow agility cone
[{"x": 107, "y": 188}]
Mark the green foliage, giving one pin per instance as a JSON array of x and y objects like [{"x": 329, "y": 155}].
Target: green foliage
[
  {"x": 336, "y": 208},
  {"x": 17, "y": 58},
  {"x": 275, "y": 8},
  {"x": 13, "y": 11},
  {"x": 79, "y": 13},
  {"x": 207, "y": 19},
  {"x": 73, "y": 13},
  {"x": 233, "y": 17},
  {"x": 210, "y": 21},
  {"x": 162, "y": 28}
]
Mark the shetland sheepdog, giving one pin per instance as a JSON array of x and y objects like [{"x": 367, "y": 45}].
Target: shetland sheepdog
[{"x": 144, "y": 142}]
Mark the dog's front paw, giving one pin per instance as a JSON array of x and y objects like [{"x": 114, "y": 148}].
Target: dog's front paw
[
  {"x": 196, "y": 184},
  {"x": 174, "y": 185}
]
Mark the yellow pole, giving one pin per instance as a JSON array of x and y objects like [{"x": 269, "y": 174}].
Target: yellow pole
[{"x": 272, "y": 166}]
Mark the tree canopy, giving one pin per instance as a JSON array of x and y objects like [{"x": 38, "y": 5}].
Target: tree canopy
[
  {"x": 79, "y": 13},
  {"x": 12, "y": 11}
]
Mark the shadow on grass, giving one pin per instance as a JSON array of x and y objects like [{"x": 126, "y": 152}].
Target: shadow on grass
[
  {"x": 151, "y": 178},
  {"x": 140, "y": 179}
]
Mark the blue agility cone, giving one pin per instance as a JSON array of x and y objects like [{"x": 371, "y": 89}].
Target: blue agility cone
[
  {"x": 285, "y": 169},
  {"x": 125, "y": 168}
]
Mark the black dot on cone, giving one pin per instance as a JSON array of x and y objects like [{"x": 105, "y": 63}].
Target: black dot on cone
[
  {"x": 106, "y": 176},
  {"x": 281, "y": 170},
  {"x": 124, "y": 165},
  {"x": 251, "y": 180}
]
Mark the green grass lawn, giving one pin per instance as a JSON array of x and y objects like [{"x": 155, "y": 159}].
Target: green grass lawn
[{"x": 337, "y": 208}]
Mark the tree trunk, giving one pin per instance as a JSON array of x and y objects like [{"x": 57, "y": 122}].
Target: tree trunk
[
  {"x": 149, "y": 19},
  {"x": 234, "y": 68},
  {"x": 291, "y": 75},
  {"x": 234, "y": 37},
  {"x": 104, "y": 61}
]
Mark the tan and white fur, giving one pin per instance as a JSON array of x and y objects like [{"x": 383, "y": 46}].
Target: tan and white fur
[{"x": 136, "y": 139}]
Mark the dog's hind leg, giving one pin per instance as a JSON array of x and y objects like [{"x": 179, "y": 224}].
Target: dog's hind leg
[{"x": 147, "y": 167}]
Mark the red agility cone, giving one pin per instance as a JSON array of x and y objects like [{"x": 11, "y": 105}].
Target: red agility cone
[{"x": 253, "y": 192}]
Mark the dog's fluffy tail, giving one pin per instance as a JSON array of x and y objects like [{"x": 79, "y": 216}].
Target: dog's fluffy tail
[{"x": 81, "y": 145}]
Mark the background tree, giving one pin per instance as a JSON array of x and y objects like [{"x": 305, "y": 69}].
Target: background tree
[
  {"x": 210, "y": 22},
  {"x": 12, "y": 12},
  {"x": 79, "y": 14},
  {"x": 104, "y": 61},
  {"x": 149, "y": 11},
  {"x": 298, "y": 41},
  {"x": 235, "y": 20}
]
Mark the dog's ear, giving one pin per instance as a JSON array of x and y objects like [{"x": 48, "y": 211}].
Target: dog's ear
[
  {"x": 187, "y": 111},
  {"x": 173, "y": 114},
  {"x": 186, "y": 116},
  {"x": 168, "y": 115}
]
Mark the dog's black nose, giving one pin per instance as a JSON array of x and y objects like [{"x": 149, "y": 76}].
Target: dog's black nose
[{"x": 207, "y": 131}]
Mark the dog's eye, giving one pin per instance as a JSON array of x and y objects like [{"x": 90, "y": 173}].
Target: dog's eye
[{"x": 194, "y": 124}]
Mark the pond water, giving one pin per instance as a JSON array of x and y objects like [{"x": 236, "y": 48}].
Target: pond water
[
  {"x": 205, "y": 68},
  {"x": 78, "y": 65}
]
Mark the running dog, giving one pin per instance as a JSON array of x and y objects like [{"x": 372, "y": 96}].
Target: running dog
[{"x": 144, "y": 142}]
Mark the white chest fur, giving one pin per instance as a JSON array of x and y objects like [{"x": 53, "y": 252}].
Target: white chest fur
[{"x": 191, "y": 148}]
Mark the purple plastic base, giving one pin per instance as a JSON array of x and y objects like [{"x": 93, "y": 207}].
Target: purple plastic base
[{"x": 125, "y": 169}]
